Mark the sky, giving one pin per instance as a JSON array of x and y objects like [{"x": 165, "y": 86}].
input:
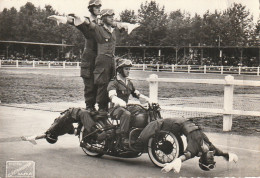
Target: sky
[{"x": 79, "y": 7}]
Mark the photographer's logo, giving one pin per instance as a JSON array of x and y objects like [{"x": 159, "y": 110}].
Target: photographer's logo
[{"x": 20, "y": 169}]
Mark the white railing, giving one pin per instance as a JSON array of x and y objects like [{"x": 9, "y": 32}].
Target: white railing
[
  {"x": 145, "y": 67},
  {"x": 198, "y": 69},
  {"x": 227, "y": 110},
  {"x": 38, "y": 64}
]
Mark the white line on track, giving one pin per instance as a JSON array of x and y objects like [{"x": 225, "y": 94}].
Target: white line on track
[{"x": 258, "y": 151}]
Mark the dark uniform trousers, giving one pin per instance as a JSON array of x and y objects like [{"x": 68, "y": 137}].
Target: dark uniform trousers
[
  {"x": 104, "y": 64},
  {"x": 103, "y": 73},
  {"x": 86, "y": 72},
  {"x": 64, "y": 123},
  {"x": 195, "y": 136},
  {"x": 124, "y": 116},
  {"x": 87, "y": 65},
  {"x": 123, "y": 92}
]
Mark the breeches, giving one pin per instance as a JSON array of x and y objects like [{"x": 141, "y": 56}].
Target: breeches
[
  {"x": 124, "y": 116},
  {"x": 64, "y": 123},
  {"x": 103, "y": 73}
]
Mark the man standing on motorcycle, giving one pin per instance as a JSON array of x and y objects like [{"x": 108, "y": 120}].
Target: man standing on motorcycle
[
  {"x": 90, "y": 51},
  {"x": 119, "y": 91},
  {"x": 198, "y": 143},
  {"x": 105, "y": 35}
]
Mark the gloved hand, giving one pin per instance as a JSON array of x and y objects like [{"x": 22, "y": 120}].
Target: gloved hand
[
  {"x": 128, "y": 26},
  {"x": 31, "y": 139},
  {"x": 232, "y": 157},
  {"x": 175, "y": 165},
  {"x": 79, "y": 20},
  {"x": 118, "y": 102},
  {"x": 59, "y": 19},
  {"x": 148, "y": 100},
  {"x": 122, "y": 25},
  {"x": 137, "y": 93}
]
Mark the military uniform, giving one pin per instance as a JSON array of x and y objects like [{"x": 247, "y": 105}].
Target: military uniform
[
  {"x": 104, "y": 65},
  {"x": 123, "y": 91},
  {"x": 195, "y": 137},
  {"x": 64, "y": 123},
  {"x": 88, "y": 62}
]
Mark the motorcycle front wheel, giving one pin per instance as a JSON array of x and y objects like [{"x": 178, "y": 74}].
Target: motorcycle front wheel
[
  {"x": 90, "y": 145},
  {"x": 164, "y": 147}
]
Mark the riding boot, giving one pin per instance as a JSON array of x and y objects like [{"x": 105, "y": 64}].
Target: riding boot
[
  {"x": 125, "y": 139},
  {"x": 91, "y": 109},
  {"x": 102, "y": 113}
]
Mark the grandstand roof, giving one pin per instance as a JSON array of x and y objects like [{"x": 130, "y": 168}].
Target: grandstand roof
[
  {"x": 161, "y": 47},
  {"x": 34, "y": 43}
]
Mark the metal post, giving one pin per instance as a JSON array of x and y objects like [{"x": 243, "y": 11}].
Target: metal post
[
  {"x": 189, "y": 68},
  {"x": 158, "y": 67},
  {"x": 49, "y": 64},
  {"x": 25, "y": 50},
  {"x": 201, "y": 56},
  {"x": 41, "y": 52},
  {"x": 241, "y": 56},
  {"x": 33, "y": 64},
  {"x": 173, "y": 68},
  {"x": 64, "y": 64},
  {"x": 7, "y": 47},
  {"x": 228, "y": 103},
  {"x": 221, "y": 70},
  {"x": 143, "y": 66},
  {"x": 0, "y": 63},
  {"x": 258, "y": 70},
  {"x": 128, "y": 53},
  {"x": 17, "y": 63},
  {"x": 77, "y": 65},
  {"x": 176, "y": 55},
  {"x": 205, "y": 69},
  {"x": 153, "y": 87},
  {"x": 144, "y": 55},
  {"x": 239, "y": 70}
]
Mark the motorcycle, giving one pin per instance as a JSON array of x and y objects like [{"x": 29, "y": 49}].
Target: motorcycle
[{"x": 105, "y": 139}]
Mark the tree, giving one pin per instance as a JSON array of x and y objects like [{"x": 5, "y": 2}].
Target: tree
[
  {"x": 153, "y": 22},
  {"x": 177, "y": 29},
  {"x": 128, "y": 16},
  {"x": 240, "y": 23},
  {"x": 8, "y": 22}
]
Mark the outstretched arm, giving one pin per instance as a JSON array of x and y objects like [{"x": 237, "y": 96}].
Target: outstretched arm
[
  {"x": 227, "y": 156},
  {"x": 175, "y": 165}
]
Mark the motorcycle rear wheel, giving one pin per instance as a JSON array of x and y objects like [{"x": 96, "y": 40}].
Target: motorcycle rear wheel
[
  {"x": 88, "y": 143},
  {"x": 164, "y": 147}
]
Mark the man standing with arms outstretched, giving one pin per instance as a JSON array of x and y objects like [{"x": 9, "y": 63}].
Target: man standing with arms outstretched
[{"x": 90, "y": 51}]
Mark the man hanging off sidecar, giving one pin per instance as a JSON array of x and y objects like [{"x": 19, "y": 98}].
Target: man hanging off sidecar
[{"x": 198, "y": 143}]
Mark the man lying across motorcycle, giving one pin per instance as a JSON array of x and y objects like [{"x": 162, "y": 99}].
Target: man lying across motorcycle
[
  {"x": 198, "y": 143},
  {"x": 119, "y": 91},
  {"x": 64, "y": 125}
]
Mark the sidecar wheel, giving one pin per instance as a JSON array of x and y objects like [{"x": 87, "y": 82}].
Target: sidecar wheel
[
  {"x": 164, "y": 148},
  {"x": 89, "y": 143}
]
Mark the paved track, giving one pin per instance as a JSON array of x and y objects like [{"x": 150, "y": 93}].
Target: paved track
[{"x": 66, "y": 159}]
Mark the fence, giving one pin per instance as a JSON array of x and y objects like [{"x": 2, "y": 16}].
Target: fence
[
  {"x": 227, "y": 110},
  {"x": 145, "y": 67},
  {"x": 198, "y": 69},
  {"x": 38, "y": 64}
]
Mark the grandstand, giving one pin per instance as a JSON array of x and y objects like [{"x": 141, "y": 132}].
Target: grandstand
[
  {"x": 19, "y": 50},
  {"x": 181, "y": 55}
]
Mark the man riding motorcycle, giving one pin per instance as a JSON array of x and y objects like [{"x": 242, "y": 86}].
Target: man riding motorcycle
[
  {"x": 119, "y": 91},
  {"x": 198, "y": 143}
]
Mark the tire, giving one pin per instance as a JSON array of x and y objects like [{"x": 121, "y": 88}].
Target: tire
[
  {"x": 164, "y": 147},
  {"x": 89, "y": 144}
]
